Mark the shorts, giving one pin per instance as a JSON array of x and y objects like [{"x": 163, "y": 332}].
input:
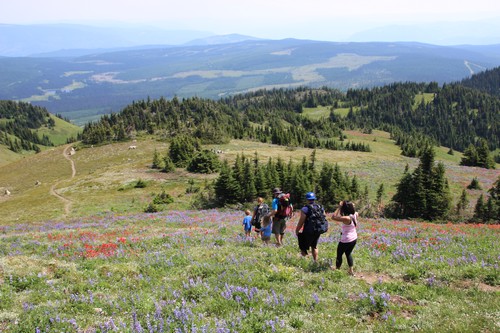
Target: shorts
[
  {"x": 257, "y": 226},
  {"x": 248, "y": 229},
  {"x": 265, "y": 238},
  {"x": 308, "y": 241},
  {"x": 279, "y": 226}
]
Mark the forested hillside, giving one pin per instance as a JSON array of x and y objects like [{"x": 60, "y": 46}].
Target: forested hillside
[
  {"x": 25, "y": 127},
  {"x": 487, "y": 81},
  {"x": 453, "y": 116},
  {"x": 266, "y": 116},
  {"x": 19, "y": 119}
]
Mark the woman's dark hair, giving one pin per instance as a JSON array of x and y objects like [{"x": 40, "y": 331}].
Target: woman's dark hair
[{"x": 347, "y": 208}]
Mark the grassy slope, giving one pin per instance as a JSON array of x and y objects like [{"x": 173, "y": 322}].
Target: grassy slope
[
  {"x": 105, "y": 175},
  {"x": 61, "y": 131},
  {"x": 57, "y": 135},
  {"x": 105, "y": 261},
  {"x": 193, "y": 269}
]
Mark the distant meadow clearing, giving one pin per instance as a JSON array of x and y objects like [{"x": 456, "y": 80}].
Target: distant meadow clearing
[{"x": 194, "y": 271}]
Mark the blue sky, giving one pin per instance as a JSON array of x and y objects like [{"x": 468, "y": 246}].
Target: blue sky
[{"x": 275, "y": 19}]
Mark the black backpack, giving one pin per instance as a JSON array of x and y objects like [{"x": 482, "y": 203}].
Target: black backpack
[
  {"x": 260, "y": 213},
  {"x": 316, "y": 219}
]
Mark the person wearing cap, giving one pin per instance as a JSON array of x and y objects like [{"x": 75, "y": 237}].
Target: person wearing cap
[
  {"x": 308, "y": 238},
  {"x": 279, "y": 223}
]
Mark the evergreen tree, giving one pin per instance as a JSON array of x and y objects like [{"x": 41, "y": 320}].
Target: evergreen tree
[
  {"x": 474, "y": 184},
  {"x": 484, "y": 158},
  {"x": 463, "y": 203},
  {"x": 273, "y": 176},
  {"x": 227, "y": 189},
  {"x": 248, "y": 186},
  {"x": 158, "y": 162},
  {"x": 168, "y": 165},
  {"x": 489, "y": 211},
  {"x": 425, "y": 193},
  {"x": 380, "y": 194},
  {"x": 479, "y": 209},
  {"x": 204, "y": 161},
  {"x": 261, "y": 185},
  {"x": 438, "y": 195},
  {"x": 182, "y": 149}
]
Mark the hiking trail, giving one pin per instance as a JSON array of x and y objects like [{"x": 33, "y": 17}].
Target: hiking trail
[{"x": 67, "y": 202}]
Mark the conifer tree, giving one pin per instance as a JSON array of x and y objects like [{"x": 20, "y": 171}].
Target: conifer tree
[
  {"x": 273, "y": 176},
  {"x": 249, "y": 190},
  {"x": 168, "y": 165},
  {"x": 261, "y": 185},
  {"x": 424, "y": 193},
  {"x": 470, "y": 156},
  {"x": 484, "y": 158},
  {"x": 227, "y": 189},
  {"x": 380, "y": 194},
  {"x": 463, "y": 202},
  {"x": 479, "y": 209},
  {"x": 158, "y": 162},
  {"x": 438, "y": 195},
  {"x": 474, "y": 184}
]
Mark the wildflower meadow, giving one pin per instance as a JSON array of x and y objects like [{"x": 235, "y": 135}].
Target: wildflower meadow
[{"x": 195, "y": 271}]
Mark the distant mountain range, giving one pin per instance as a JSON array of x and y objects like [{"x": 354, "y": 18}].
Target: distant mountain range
[
  {"x": 33, "y": 40},
  {"x": 90, "y": 77}
]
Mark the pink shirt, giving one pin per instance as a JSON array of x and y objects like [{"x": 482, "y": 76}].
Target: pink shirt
[{"x": 349, "y": 233}]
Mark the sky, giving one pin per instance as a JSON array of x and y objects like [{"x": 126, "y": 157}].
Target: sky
[{"x": 274, "y": 19}]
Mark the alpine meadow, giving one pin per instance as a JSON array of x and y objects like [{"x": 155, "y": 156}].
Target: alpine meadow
[{"x": 132, "y": 222}]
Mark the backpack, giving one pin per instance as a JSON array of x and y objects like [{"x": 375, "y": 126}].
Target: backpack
[
  {"x": 260, "y": 212},
  {"x": 316, "y": 219},
  {"x": 285, "y": 207}
]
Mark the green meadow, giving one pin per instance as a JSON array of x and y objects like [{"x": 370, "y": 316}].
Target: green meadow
[
  {"x": 78, "y": 253},
  {"x": 194, "y": 271}
]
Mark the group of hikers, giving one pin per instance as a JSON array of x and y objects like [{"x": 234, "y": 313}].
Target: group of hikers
[{"x": 312, "y": 223}]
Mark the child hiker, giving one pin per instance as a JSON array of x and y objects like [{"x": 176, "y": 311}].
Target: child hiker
[{"x": 247, "y": 223}]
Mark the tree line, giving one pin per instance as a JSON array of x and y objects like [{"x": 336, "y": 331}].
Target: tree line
[
  {"x": 21, "y": 119},
  {"x": 270, "y": 117},
  {"x": 416, "y": 114}
]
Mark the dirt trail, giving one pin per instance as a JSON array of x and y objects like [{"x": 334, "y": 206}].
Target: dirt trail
[{"x": 66, "y": 201}]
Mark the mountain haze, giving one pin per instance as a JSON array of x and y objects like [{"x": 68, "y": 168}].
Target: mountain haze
[
  {"x": 29, "y": 40},
  {"x": 82, "y": 88}
]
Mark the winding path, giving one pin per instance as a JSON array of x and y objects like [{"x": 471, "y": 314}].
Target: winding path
[{"x": 67, "y": 202}]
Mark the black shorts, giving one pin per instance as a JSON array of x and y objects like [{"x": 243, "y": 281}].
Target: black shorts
[
  {"x": 308, "y": 241},
  {"x": 257, "y": 226}
]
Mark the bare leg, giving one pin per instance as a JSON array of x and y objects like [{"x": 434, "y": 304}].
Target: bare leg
[{"x": 315, "y": 254}]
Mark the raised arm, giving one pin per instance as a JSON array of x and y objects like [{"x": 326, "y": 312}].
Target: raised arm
[
  {"x": 301, "y": 222},
  {"x": 338, "y": 217}
]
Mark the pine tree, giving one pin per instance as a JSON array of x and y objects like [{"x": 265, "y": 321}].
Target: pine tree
[
  {"x": 470, "y": 156},
  {"x": 261, "y": 184},
  {"x": 249, "y": 190},
  {"x": 484, "y": 158},
  {"x": 463, "y": 203},
  {"x": 438, "y": 197},
  {"x": 158, "y": 162},
  {"x": 168, "y": 165},
  {"x": 424, "y": 193},
  {"x": 380, "y": 194},
  {"x": 227, "y": 189},
  {"x": 479, "y": 209},
  {"x": 474, "y": 184}
]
